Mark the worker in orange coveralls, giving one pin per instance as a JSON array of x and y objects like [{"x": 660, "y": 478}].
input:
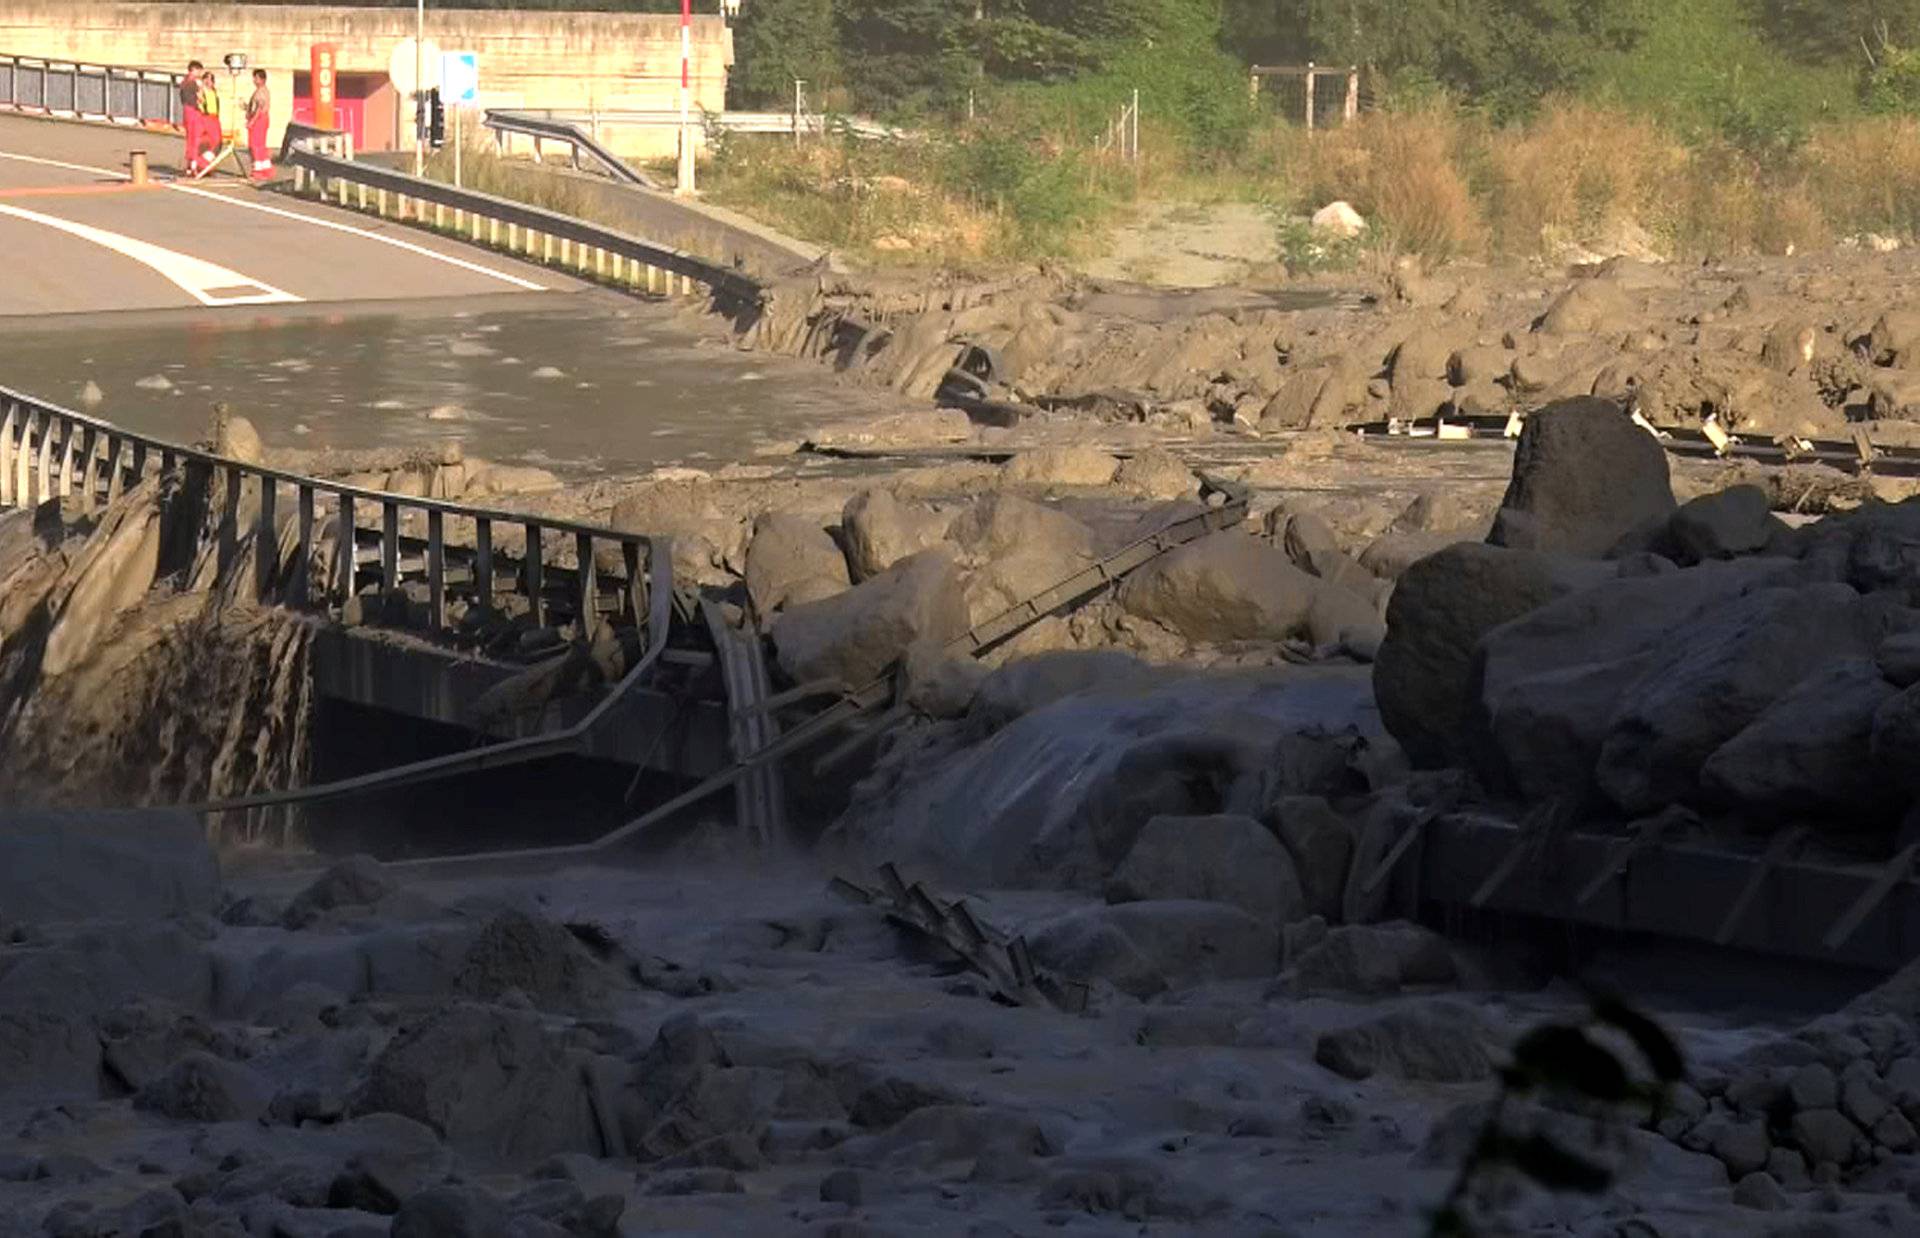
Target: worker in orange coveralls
[
  {"x": 191, "y": 118},
  {"x": 258, "y": 105}
]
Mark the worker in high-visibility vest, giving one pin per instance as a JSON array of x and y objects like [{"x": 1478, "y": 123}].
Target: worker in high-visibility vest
[
  {"x": 259, "y": 104},
  {"x": 210, "y": 107},
  {"x": 191, "y": 118}
]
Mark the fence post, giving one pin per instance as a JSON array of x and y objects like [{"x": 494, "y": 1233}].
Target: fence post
[
  {"x": 1353, "y": 94},
  {"x": 1310, "y": 79}
]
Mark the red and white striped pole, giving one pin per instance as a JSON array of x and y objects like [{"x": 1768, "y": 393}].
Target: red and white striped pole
[{"x": 686, "y": 97}]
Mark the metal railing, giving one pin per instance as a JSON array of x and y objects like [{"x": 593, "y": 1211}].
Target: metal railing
[
  {"x": 565, "y": 573},
  {"x": 543, "y": 129},
  {"x": 118, "y": 93},
  {"x": 799, "y": 122},
  {"x": 587, "y": 249}
]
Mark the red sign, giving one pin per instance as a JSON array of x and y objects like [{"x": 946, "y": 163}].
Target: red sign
[{"x": 324, "y": 83}]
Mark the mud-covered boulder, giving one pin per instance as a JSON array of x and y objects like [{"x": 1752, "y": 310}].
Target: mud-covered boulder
[
  {"x": 1700, "y": 691},
  {"x": 1155, "y": 473},
  {"x": 709, "y": 540},
  {"x": 1225, "y": 587},
  {"x": 854, "y": 636},
  {"x": 881, "y": 529},
  {"x": 1439, "y": 1042},
  {"x": 1334, "y": 394},
  {"x": 1584, "y": 476},
  {"x": 1589, "y": 307},
  {"x": 1142, "y": 948},
  {"x": 359, "y": 881},
  {"x": 1393, "y": 552},
  {"x": 47, "y": 1058},
  {"x": 495, "y": 1083},
  {"x": 146, "y": 864},
  {"x": 203, "y": 1088},
  {"x": 1219, "y": 859},
  {"x": 1895, "y": 339},
  {"x": 1017, "y": 548},
  {"x": 1374, "y": 959},
  {"x": 1320, "y": 842},
  {"x": 1809, "y": 754},
  {"x": 792, "y": 561},
  {"x": 1441, "y": 608},
  {"x": 1074, "y": 465},
  {"x": 1547, "y": 685},
  {"x": 1733, "y": 522}
]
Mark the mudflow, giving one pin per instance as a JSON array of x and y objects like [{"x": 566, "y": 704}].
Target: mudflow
[{"x": 1175, "y": 794}]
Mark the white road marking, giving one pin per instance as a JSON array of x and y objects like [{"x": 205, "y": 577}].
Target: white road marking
[
  {"x": 396, "y": 242},
  {"x": 206, "y": 282},
  {"x": 71, "y": 167},
  {"x": 316, "y": 221}
]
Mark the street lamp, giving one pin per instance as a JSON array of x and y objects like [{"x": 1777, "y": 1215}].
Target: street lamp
[{"x": 419, "y": 94}]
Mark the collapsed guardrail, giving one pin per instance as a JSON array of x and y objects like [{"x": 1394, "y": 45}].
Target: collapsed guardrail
[{"x": 505, "y": 124}]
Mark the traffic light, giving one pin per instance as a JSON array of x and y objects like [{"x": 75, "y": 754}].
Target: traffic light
[{"x": 436, "y": 119}]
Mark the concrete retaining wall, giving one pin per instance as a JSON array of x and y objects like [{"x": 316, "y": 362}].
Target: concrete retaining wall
[{"x": 572, "y": 61}]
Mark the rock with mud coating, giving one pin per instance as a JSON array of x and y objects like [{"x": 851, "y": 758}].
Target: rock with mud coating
[
  {"x": 1696, "y": 694},
  {"x": 1220, "y": 859},
  {"x": 48, "y": 1058},
  {"x": 144, "y": 864},
  {"x": 1017, "y": 549},
  {"x": 357, "y": 881},
  {"x": 495, "y": 1084},
  {"x": 1145, "y": 948},
  {"x": 203, "y": 1088},
  {"x": 1438, "y": 1042},
  {"x": 1736, "y": 521},
  {"x": 792, "y": 561},
  {"x": 1225, "y": 587},
  {"x": 1590, "y": 307},
  {"x": 852, "y": 637},
  {"x": 1442, "y": 606},
  {"x": 1319, "y": 396},
  {"x": 1321, "y": 844},
  {"x": 1374, "y": 959},
  {"x": 709, "y": 542},
  {"x": 1060, "y": 466},
  {"x": 881, "y": 530},
  {"x": 1584, "y": 476},
  {"x": 1338, "y": 219},
  {"x": 1550, "y": 682},
  {"x": 1809, "y": 755},
  {"x": 454, "y": 1212},
  {"x": 1895, "y": 339},
  {"x": 1155, "y": 473}
]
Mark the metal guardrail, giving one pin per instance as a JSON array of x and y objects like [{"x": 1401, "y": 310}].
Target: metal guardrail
[
  {"x": 506, "y": 124},
  {"x": 49, "y": 452},
  {"x": 803, "y": 123},
  {"x": 591, "y": 250},
  {"x": 118, "y": 93}
]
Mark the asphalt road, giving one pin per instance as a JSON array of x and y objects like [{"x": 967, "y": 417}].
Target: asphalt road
[{"x": 77, "y": 238}]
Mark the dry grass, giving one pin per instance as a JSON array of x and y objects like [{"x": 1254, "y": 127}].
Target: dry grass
[
  {"x": 1405, "y": 171},
  {"x": 1576, "y": 173},
  {"x": 1864, "y": 175}
]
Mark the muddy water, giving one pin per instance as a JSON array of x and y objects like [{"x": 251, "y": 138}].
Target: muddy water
[{"x": 583, "y": 385}]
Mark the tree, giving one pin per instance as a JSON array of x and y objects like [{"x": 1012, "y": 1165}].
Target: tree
[
  {"x": 779, "y": 41},
  {"x": 1829, "y": 30},
  {"x": 1504, "y": 54}
]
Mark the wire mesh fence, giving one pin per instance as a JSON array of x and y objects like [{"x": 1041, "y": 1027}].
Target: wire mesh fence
[{"x": 1309, "y": 95}]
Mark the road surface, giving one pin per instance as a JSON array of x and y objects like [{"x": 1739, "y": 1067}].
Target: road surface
[{"x": 79, "y": 238}]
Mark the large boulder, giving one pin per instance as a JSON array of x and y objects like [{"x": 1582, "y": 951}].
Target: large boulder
[
  {"x": 1226, "y": 587},
  {"x": 856, "y": 635},
  {"x": 1374, "y": 959},
  {"x": 1075, "y": 465},
  {"x": 1441, "y": 608},
  {"x": 147, "y": 864},
  {"x": 495, "y": 1083},
  {"x": 1809, "y": 754},
  {"x": 1018, "y": 548},
  {"x": 880, "y": 530},
  {"x": 1548, "y": 684},
  {"x": 1590, "y": 307},
  {"x": 203, "y": 1088},
  {"x": 1142, "y": 948},
  {"x": 1217, "y": 859},
  {"x": 1439, "y": 1042},
  {"x": 1735, "y": 521},
  {"x": 1584, "y": 476},
  {"x": 1321, "y": 843},
  {"x": 792, "y": 561},
  {"x": 1703, "y": 687},
  {"x": 709, "y": 541},
  {"x": 1155, "y": 473},
  {"x": 1333, "y": 394}
]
